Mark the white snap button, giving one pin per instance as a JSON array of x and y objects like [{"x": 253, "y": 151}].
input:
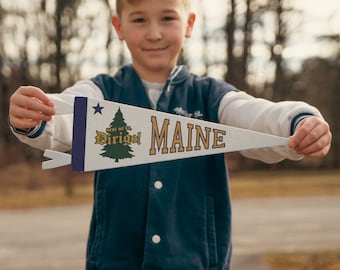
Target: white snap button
[
  {"x": 158, "y": 185},
  {"x": 156, "y": 239}
]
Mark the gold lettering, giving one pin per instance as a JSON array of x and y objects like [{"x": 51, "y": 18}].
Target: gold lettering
[
  {"x": 177, "y": 139},
  {"x": 201, "y": 138},
  {"x": 218, "y": 138},
  {"x": 127, "y": 139},
  {"x": 195, "y": 140},
  {"x": 110, "y": 130},
  {"x": 138, "y": 139},
  {"x": 107, "y": 138},
  {"x": 190, "y": 128},
  {"x": 120, "y": 138},
  {"x": 101, "y": 138},
  {"x": 159, "y": 138}
]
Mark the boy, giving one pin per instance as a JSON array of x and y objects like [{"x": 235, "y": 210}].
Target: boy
[{"x": 176, "y": 214}]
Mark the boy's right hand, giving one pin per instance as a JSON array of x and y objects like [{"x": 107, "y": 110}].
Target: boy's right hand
[{"x": 28, "y": 107}]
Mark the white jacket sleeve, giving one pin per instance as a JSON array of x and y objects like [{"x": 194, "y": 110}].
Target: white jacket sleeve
[
  {"x": 57, "y": 134},
  {"x": 241, "y": 110}
]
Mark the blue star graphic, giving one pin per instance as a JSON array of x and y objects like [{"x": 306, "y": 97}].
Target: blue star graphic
[{"x": 98, "y": 109}]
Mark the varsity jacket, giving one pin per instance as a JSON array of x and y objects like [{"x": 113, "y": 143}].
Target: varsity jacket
[
  {"x": 175, "y": 214},
  {"x": 168, "y": 215}
]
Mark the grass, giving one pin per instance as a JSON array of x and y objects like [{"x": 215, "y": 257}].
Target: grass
[
  {"x": 285, "y": 183},
  {"x": 27, "y": 186},
  {"x": 304, "y": 260},
  {"x": 46, "y": 197}
]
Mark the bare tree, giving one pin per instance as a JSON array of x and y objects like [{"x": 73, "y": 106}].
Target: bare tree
[
  {"x": 281, "y": 10},
  {"x": 277, "y": 49},
  {"x": 247, "y": 41},
  {"x": 230, "y": 29},
  {"x": 205, "y": 39},
  {"x": 243, "y": 22},
  {"x": 64, "y": 17},
  {"x": 109, "y": 37}
]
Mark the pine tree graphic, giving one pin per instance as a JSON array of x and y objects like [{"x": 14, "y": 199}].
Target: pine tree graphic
[{"x": 118, "y": 130}]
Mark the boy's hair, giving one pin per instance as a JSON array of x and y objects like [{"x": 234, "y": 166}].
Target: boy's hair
[{"x": 120, "y": 4}]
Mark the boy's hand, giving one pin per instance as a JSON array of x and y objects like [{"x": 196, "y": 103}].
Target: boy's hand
[
  {"x": 312, "y": 138},
  {"x": 29, "y": 106}
]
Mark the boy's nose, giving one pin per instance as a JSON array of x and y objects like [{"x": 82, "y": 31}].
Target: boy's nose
[{"x": 154, "y": 32}]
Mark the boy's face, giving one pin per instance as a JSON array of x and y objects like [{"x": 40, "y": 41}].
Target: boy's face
[{"x": 154, "y": 31}]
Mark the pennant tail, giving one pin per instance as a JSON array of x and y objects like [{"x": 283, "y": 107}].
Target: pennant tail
[
  {"x": 58, "y": 159},
  {"x": 241, "y": 140},
  {"x": 64, "y": 105},
  {"x": 79, "y": 133}
]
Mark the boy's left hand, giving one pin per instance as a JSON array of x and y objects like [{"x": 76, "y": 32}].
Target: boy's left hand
[{"x": 312, "y": 138}]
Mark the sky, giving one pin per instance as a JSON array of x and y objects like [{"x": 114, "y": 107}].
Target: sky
[{"x": 320, "y": 17}]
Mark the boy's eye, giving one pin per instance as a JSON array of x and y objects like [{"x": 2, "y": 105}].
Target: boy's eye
[
  {"x": 138, "y": 20},
  {"x": 168, "y": 18}
]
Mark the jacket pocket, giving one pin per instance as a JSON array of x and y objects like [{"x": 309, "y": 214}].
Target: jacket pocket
[{"x": 211, "y": 233}]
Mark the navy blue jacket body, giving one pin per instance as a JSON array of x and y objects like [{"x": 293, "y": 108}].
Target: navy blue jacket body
[{"x": 172, "y": 215}]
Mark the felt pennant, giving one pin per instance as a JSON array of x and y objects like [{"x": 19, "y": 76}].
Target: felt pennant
[{"x": 111, "y": 135}]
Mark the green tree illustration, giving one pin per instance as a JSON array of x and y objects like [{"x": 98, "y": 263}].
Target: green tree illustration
[{"x": 118, "y": 130}]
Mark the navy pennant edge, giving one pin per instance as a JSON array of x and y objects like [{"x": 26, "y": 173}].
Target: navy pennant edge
[{"x": 79, "y": 133}]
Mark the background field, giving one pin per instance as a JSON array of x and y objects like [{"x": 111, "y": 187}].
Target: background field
[{"x": 26, "y": 185}]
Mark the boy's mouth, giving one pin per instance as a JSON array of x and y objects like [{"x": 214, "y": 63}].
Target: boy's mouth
[{"x": 155, "y": 49}]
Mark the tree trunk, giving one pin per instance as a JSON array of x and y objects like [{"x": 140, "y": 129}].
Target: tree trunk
[
  {"x": 277, "y": 49},
  {"x": 58, "y": 43},
  {"x": 230, "y": 30}
]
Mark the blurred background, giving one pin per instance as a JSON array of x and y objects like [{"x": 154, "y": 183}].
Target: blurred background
[{"x": 277, "y": 49}]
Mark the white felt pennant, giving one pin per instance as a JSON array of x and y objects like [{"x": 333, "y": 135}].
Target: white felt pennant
[{"x": 111, "y": 135}]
